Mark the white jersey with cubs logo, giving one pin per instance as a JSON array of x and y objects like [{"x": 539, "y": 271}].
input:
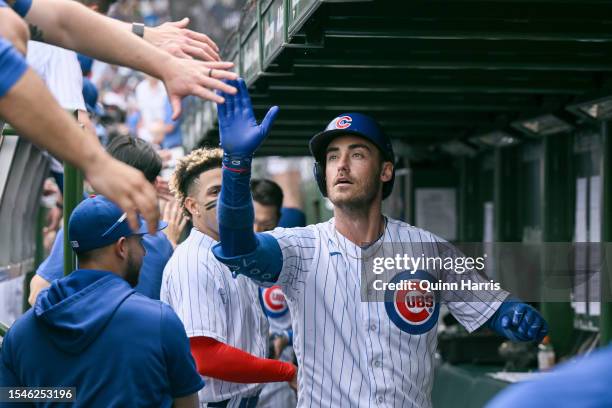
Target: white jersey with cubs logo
[
  {"x": 211, "y": 303},
  {"x": 275, "y": 307},
  {"x": 366, "y": 353}
]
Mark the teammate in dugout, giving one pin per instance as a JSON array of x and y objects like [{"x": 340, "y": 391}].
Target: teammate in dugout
[
  {"x": 92, "y": 331},
  {"x": 226, "y": 326},
  {"x": 350, "y": 353}
]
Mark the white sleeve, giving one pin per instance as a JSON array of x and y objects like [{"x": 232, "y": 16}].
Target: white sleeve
[
  {"x": 471, "y": 306},
  {"x": 298, "y": 246},
  {"x": 193, "y": 289},
  {"x": 65, "y": 79},
  {"x": 37, "y": 58}
]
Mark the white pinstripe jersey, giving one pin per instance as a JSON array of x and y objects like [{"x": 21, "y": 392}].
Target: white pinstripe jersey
[
  {"x": 61, "y": 72},
  {"x": 211, "y": 303},
  {"x": 352, "y": 353}
]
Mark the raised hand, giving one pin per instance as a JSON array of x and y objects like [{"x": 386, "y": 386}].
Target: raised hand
[
  {"x": 175, "y": 38},
  {"x": 184, "y": 77},
  {"x": 239, "y": 132}
]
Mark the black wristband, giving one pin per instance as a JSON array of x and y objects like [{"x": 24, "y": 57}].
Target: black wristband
[{"x": 138, "y": 29}]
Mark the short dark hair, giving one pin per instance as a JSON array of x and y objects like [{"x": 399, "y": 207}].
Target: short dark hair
[
  {"x": 267, "y": 192},
  {"x": 137, "y": 153}
]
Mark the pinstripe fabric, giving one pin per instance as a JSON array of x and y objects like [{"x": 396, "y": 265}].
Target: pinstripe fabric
[
  {"x": 211, "y": 303},
  {"x": 61, "y": 72},
  {"x": 350, "y": 353}
]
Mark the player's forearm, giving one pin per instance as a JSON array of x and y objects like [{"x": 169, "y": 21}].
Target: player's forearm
[
  {"x": 31, "y": 109},
  {"x": 219, "y": 360},
  {"x": 235, "y": 209},
  {"x": 71, "y": 25}
]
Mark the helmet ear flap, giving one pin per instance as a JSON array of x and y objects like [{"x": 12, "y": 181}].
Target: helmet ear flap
[{"x": 319, "y": 175}]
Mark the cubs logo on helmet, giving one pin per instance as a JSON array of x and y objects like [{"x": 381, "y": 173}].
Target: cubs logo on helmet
[
  {"x": 343, "y": 122},
  {"x": 412, "y": 311},
  {"x": 273, "y": 301}
]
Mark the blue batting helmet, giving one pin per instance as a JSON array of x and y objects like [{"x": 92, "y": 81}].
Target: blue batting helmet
[{"x": 350, "y": 124}]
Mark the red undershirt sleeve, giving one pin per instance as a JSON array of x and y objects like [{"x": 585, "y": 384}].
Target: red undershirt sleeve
[{"x": 219, "y": 360}]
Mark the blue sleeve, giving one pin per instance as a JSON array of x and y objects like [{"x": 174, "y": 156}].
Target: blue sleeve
[
  {"x": 52, "y": 268},
  {"x": 583, "y": 381},
  {"x": 12, "y": 66},
  {"x": 22, "y": 7},
  {"x": 7, "y": 373},
  {"x": 182, "y": 374},
  {"x": 235, "y": 212},
  {"x": 158, "y": 252},
  {"x": 257, "y": 256},
  {"x": 3, "y": 4}
]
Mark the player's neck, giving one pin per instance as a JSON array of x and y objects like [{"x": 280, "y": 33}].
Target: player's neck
[
  {"x": 360, "y": 227},
  {"x": 204, "y": 229}
]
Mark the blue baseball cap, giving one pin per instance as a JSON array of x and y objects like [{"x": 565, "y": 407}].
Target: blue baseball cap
[
  {"x": 351, "y": 124},
  {"x": 97, "y": 222},
  {"x": 90, "y": 95}
]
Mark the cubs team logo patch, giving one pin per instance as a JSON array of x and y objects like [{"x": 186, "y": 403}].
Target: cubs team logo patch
[
  {"x": 413, "y": 311},
  {"x": 343, "y": 122},
  {"x": 273, "y": 301}
]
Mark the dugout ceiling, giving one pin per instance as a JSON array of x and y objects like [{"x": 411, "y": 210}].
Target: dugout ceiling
[{"x": 434, "y": 73}]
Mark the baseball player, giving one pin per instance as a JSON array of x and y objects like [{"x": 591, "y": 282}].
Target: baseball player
[
  {"x": 267, "y": 204},
  {"x": 91, "y": 331},
  {"x": 350, "y": 352},
  {"x": 141, "y": 155},
  {"x": 223, "y": 319}
]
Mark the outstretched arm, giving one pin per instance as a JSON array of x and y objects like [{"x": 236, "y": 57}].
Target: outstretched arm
[
  {"x": 219, "y": 360},
  {"x": 71, "y": 25},
  {"x": 26, "y": 104},
  {"x": 255, "y": 255}
]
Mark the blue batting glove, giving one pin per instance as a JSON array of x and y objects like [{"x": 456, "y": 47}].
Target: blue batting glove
[
  {"x": 518, "y": 322},
  {"x": 239, "y": 132}
]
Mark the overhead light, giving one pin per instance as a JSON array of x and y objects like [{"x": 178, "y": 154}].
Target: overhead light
[
  {"x": 457, "y": 148},
  {"x": 543, "y": 125},
  {"x": 497, "y": 138},
  {"x": 599, "y": 109}
]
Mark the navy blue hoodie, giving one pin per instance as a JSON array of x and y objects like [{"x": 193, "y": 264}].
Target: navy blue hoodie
[{"x": 92, "y": 331}]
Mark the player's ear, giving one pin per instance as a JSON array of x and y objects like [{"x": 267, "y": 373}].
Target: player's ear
[
  {"x": 387, "y": 171},
  {"x": 191, "y": 206},
  {"x": 121, "y": 248}
]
